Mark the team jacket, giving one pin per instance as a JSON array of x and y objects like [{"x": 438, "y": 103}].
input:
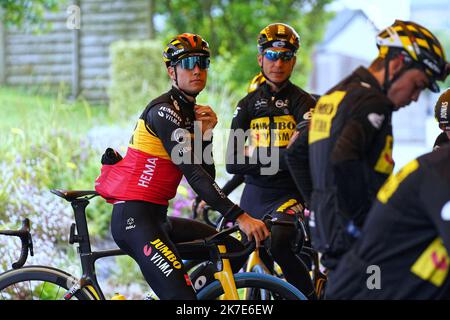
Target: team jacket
[
  {"x": 270, "y": 119},
  {"x": 350, "y": 157},
  {"x": 406, "y": 238},
  {"x": 164, "y": 135},
  {"x": 441, "y": 140}
]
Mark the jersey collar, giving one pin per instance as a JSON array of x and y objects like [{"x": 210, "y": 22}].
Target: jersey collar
[
  {"x": 181, "y": 99},
  {"x": 367, "y": 79}
]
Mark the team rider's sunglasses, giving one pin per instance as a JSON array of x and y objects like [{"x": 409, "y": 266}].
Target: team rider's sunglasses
[
  {"x": 190, "y": 62},
  {"x": 275, "y": 55}
]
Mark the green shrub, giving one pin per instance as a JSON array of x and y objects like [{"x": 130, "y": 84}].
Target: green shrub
[
  {"x": 44, "y": 146},
  {"x": 138, "y": 74}
]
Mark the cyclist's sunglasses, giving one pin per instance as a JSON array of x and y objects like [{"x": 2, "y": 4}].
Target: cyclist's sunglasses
[
  {"x": 275, "y": 55},
  {"x": 190, "y": 62}
]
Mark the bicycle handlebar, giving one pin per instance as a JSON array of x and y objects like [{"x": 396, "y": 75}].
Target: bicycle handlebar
[
  {"x": 249, "y": 246},
  {"x": 204, "y": 214},
  {"x": 27, "y": 243}
]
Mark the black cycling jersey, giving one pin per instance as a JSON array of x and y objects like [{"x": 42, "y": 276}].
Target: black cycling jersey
[
  {"x": 271, "y": 118},
  {"x": 441, "y": 140},
  {"x": 406, "y": 238},
  {"x": 162, "y": 149},
  {"x": 350, "y": 157}
]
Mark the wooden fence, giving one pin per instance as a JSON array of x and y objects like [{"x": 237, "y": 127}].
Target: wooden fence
[{"x": 78, "y": 58}]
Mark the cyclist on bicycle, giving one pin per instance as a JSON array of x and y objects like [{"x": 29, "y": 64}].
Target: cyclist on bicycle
[
  {"x": 161, "y": 150},
  {"x": 403, "y": 249},
  {"x": 350, "y": 136},
  {"x": 271, "y": 112},
  {"x": 441, "y": 113}
]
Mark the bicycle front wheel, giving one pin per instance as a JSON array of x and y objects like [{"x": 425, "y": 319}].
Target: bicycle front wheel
[
  {"x": 272, "y": 287},
  {"x": 39, "y": 283}
]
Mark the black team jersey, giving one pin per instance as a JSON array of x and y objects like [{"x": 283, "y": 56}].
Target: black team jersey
[{"x": 406, "y": 237}]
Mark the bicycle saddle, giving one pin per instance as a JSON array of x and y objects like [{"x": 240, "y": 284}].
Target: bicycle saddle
[{"x": 71, "y": 195}]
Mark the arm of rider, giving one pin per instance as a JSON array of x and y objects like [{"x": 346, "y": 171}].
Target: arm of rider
[
  {"x": 200, "y": 207},
  {"x": 208, "y": 119},
  {"x": 253, "y": 228}
]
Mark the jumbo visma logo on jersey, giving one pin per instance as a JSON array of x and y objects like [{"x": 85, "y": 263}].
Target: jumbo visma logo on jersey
[
  {"x": 433, "y": 263},
  {"x": 385, "y": 163},
  {"x": 272, "y": 131},
  {"x": 323, "y": 115}
]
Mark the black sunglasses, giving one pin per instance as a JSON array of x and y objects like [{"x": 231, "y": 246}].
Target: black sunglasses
[
  {"x": 275, "y": 55},
  {"x": 190, "y": 62}
]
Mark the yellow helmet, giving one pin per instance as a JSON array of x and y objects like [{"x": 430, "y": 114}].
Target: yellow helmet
[
  {"x": 421, "y": 48},
  {"x": 278, "y": 35}
]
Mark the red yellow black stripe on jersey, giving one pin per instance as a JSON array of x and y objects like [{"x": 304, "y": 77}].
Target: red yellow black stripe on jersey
[
  {"x": 145, "y": 173},
  {"x": 145, "y": 140}
]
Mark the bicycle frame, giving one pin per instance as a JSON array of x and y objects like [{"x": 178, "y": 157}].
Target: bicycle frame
[
  {"x": 226, "y": 278},
  {"x": 89, "y": 280},
  {"x": 87, "y": 256},
  {"x": 255, "y": 260}
]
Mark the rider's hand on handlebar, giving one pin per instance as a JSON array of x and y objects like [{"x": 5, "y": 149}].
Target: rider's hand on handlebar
[
  {"x": 201, "y": 205},
  {"x": 253, "y": 228}
]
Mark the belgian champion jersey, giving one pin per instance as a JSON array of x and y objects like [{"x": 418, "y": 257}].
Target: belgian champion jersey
[{"x": 161, "y": 151}]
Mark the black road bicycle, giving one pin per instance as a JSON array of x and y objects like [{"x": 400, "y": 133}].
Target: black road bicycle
[{"x": 44, "y": 282}]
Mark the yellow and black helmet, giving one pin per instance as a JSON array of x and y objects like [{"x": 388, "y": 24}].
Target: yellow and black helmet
[
  {"x": 421, "y": 48},
  {"x": 278, "y": 35},
  {"x": 442, "y": 109},
  {"x": 184, "y": 45},
  {"x": 256, "y": 82}
]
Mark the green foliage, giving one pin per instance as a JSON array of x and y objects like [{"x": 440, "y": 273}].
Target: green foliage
[
  {"x": 232, "y": 27},
  {"x": 44, "y": 146},
  {"x": 128, "y": 272},
  {"x": 138, "y": 73},
  {"x": 27, "y": 14}
]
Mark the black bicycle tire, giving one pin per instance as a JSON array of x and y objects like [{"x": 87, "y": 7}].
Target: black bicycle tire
[
  {"x": 254, "y": 280},
  {"x": 42, "y": 273}
]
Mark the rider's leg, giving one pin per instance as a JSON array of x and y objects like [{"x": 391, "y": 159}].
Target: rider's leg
[
  {"x": 281, "y": 250},
  {"x": 140, "y": 229},
  {"x": 260, "y": 201}
]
